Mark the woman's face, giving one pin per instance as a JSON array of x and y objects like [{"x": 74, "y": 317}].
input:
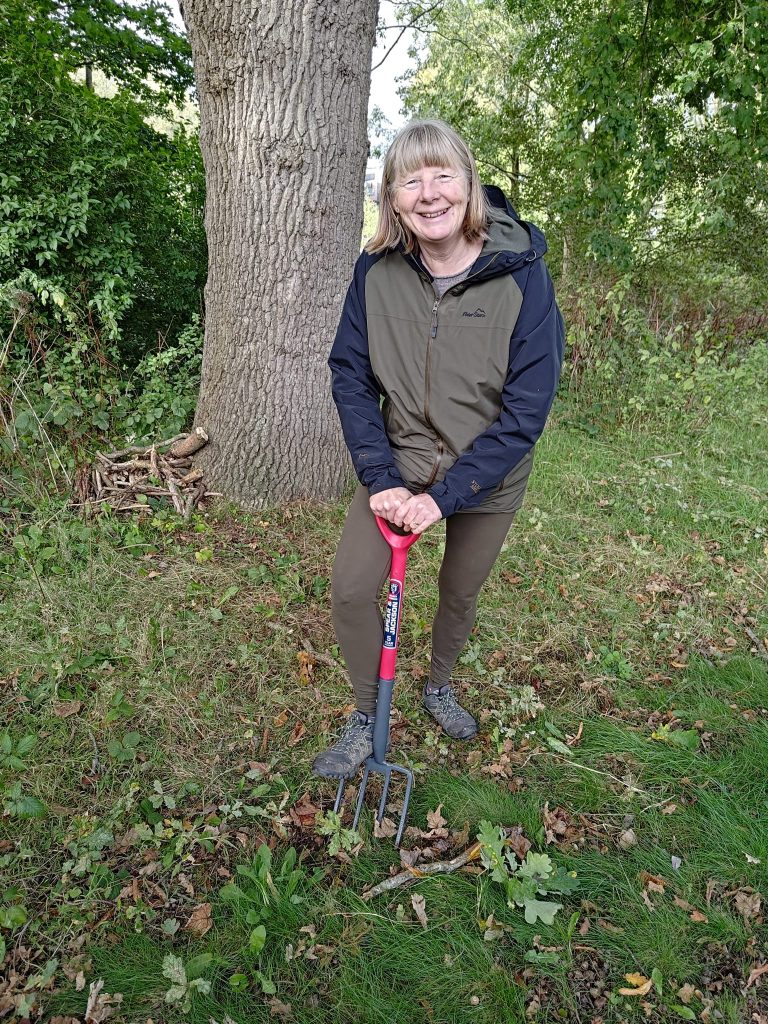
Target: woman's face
[{"x": 432, "y": 202}]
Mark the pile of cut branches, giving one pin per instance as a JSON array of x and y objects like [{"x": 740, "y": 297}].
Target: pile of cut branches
[{"x": 126, "y": 480}]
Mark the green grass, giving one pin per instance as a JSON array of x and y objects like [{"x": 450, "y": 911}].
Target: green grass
[{"x": 156, "y": 667}]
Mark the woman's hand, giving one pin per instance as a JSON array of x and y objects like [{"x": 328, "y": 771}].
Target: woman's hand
[
  {"x": 417, "y": 513},
  {"x": 386, "y": 503}
]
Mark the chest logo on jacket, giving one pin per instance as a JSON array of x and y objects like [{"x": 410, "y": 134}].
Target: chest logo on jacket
[{"x": 478, "y": 312}]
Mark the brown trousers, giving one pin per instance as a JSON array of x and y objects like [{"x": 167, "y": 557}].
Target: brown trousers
[{"x": 472, "y": 545}]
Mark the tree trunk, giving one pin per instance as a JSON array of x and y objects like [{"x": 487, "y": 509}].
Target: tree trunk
[{"x": 283, "y": 91}]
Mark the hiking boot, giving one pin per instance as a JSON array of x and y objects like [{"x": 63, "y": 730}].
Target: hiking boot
[
  {"x": 350, "y": 750},
  {"x": 447, "y": 711}
]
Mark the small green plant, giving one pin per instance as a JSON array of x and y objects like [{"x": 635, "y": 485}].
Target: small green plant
[
  {"x": 615, "y": 663},
  {"x": 687, "y": 739},
  {"x": 339, "y": 838},
  {"x": 185, "y": 980},
  {"x": 524, "y": 881},
  {"x": 12, "y": 753},
  {"x": 125, "y": 750},
  {"x": 520, "y": 708},
  {"x": 18, "y": 804}
]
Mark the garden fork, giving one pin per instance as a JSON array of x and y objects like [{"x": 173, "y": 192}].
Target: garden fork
[{"x": 398, "y": 544}]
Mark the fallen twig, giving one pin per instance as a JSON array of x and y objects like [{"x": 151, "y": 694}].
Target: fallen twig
[
  {"x": 759, "y": 644},
  {"x": 438, "y": 867}
]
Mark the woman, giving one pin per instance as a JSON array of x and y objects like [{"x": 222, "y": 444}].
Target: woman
[{"x": 451, "y": 320}]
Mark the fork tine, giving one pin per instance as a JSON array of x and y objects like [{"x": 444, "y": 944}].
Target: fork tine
[
  {"x": 360, "y": 796},
  {"x": 384, "y": 793},
  {"x": 406, "y": 801},
  {"x": 339, "y": 794}
]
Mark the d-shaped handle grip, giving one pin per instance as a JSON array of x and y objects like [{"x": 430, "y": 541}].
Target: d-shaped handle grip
[{"x": 398, "y": 541}]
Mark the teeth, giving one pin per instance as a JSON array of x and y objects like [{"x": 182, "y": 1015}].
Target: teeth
[{"x": 431, "y": 216}]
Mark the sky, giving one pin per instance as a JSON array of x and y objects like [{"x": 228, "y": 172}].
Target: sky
[{"x": 383, "y": 80}]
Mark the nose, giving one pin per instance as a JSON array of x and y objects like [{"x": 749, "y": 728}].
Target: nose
[{"x": 429, "y": 190}]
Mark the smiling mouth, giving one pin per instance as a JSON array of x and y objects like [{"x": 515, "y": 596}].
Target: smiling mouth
[{"x": 432, "y": 216}]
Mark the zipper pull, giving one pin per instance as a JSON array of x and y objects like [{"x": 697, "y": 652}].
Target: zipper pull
[{"x": 434, "y": 318}]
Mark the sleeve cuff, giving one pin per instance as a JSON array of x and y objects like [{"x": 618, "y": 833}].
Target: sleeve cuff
[{"x": 446, "y": 500}]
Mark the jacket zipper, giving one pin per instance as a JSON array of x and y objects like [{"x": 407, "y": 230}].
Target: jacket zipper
[{"x": 430, "y": 339}]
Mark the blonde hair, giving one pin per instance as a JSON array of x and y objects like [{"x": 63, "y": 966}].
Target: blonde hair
[{"x": 428, "y": 143}]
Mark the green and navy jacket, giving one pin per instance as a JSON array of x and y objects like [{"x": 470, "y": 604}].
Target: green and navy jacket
[{"x": 449, "y": 395}]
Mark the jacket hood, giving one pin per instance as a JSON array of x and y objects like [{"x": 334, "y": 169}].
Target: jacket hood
[{"x": 507, "y": 232}]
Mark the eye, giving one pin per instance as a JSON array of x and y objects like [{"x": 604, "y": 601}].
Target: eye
[{"x": 444, "y": 177}]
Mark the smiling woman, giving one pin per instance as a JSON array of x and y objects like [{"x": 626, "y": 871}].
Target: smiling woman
[{"x": 451, "y": 320}]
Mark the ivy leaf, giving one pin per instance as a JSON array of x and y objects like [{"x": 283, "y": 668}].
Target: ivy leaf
[{"x": 541, "y": 910}]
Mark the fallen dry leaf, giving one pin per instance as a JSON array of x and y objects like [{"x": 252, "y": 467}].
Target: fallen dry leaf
[
  {"x": 493, "y": 930},
  {"x": 612, "y": 928},
  {"x": 435, "y": 818},
  {"x": 80, "y": 982},
  {"x": 199, "y": 920},
  {"x": 627, "y": 839},
  {"x": 304, "y": 812},
  {"x": 298, "y": 731},
  {"x": 686, "y": 993},
  {"x": 683, "y": 904},
  {"x": 517, "y": 842},
  {"x": 280, "y": 719},
  {"x": 278, "y": 1009},
  {"x": 67, "y": 708},
  {"x": 698, "y": 917},
  {"x": 101, "y": 1005},
  {"x": 756, "y": 973},
  {"x": 641, "y": 985},
  {"x": 384, "y": 829},
  {"x": 419, "y": 908},
  {"x": 306, "y": 667},
  {"x": 748, "y": 903}
]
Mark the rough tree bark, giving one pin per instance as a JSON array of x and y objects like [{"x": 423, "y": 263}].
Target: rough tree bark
[{"x": 283, "y": 91}]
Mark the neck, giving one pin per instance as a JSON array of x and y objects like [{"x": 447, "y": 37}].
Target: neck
[{"x": 443, "y": 260}]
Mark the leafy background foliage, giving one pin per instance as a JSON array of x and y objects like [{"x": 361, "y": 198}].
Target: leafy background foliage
[{"x": 102, "y": 248}]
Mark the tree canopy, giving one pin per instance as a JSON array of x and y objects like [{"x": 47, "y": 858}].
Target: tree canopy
[{"x": 639, "y": 129}]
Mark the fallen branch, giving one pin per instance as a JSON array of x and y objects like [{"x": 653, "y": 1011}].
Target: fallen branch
[
  {"x": 438, "y": 867},
  {"x": 189, "y": 444}
]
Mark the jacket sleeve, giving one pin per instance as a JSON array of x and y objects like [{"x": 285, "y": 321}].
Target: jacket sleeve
[
  {"x": 535, "y": 358},
  {"x": 357, "y": 393}
]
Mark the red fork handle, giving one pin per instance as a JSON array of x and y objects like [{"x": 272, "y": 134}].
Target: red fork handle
[{"x": 398, "y": 545}]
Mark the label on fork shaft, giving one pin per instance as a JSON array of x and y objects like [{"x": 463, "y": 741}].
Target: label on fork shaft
[{"x": 392, "y": 615}]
